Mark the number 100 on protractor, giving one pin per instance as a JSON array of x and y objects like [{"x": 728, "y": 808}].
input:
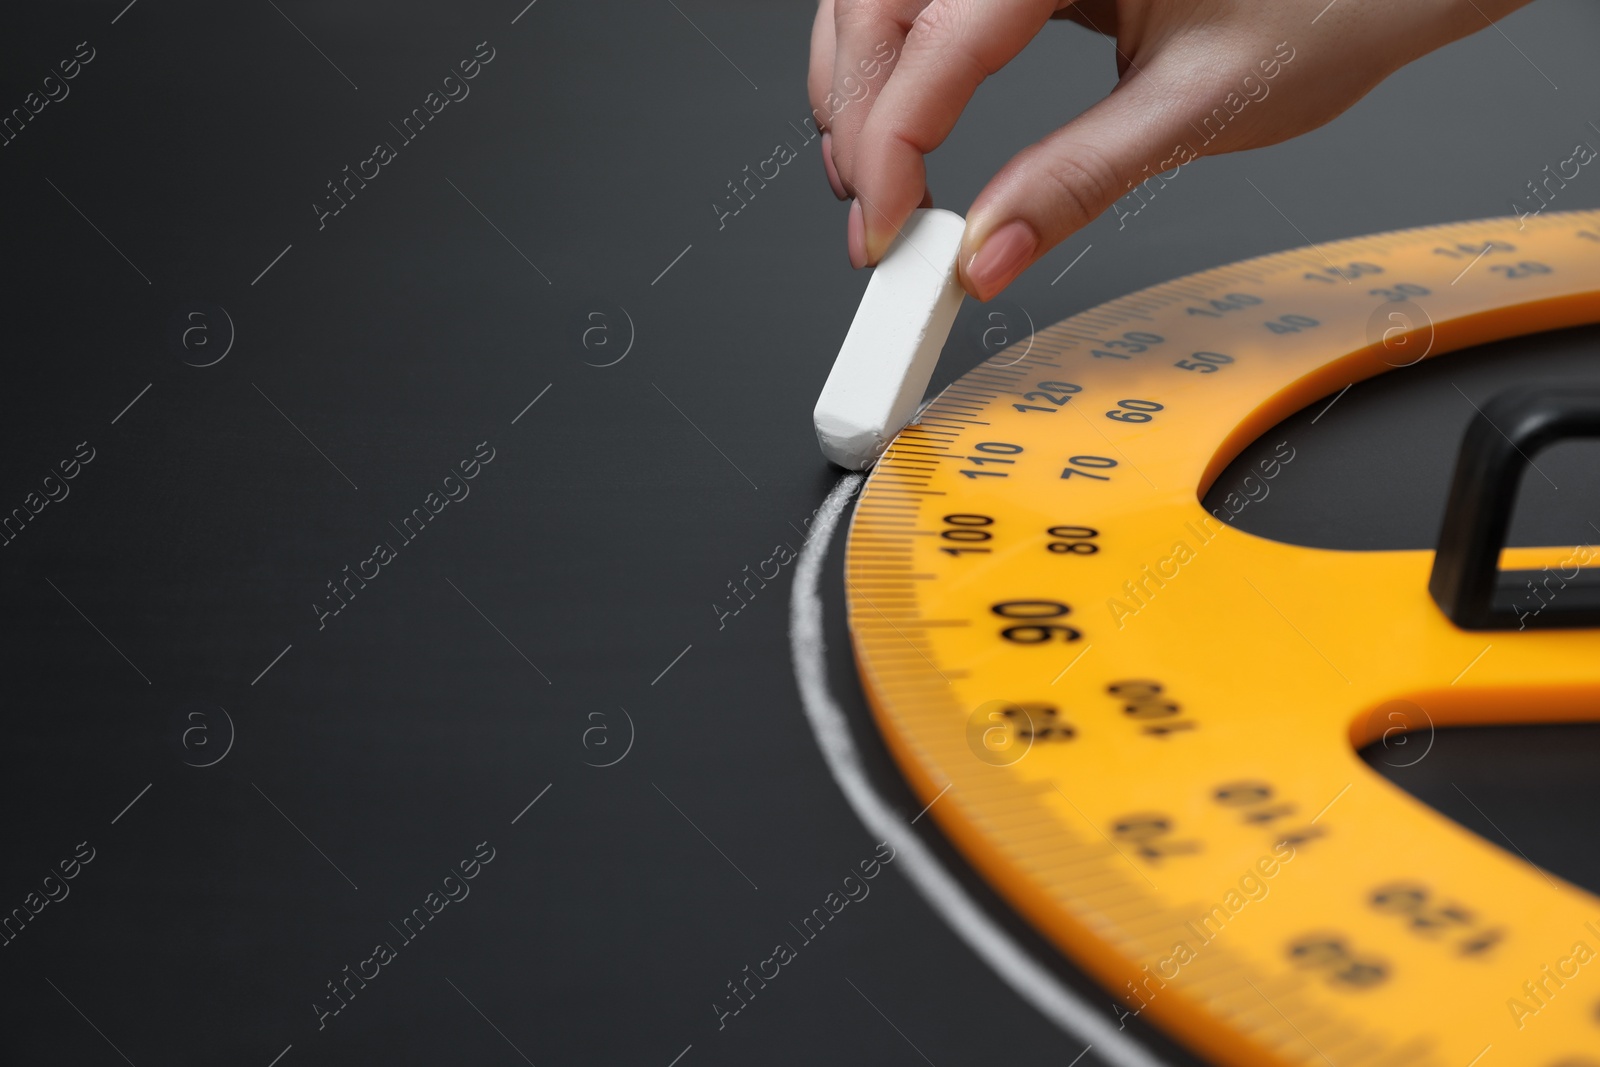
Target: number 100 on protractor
[{"x": 1148, "y": 719}]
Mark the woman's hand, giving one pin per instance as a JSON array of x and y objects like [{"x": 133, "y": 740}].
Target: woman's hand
[{"x": 1197, "y": 77}]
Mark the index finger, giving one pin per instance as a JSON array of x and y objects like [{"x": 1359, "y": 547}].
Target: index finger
[{"x": 951, "y": 48}]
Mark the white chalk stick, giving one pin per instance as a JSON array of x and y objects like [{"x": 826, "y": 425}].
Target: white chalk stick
[{"x": 889, "y": 354}]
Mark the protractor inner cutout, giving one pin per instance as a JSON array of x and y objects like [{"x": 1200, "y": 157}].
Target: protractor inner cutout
[{"x": 1141, "y": 722}]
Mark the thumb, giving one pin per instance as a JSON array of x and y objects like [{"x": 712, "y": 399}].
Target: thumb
[{"x": 1149, "y": 126}]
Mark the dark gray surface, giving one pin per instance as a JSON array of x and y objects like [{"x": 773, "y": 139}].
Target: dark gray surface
[{"x": 409, "y": 329}]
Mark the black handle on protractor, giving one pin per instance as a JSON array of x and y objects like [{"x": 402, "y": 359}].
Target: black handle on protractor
[{"x": 1498, "y": 447}]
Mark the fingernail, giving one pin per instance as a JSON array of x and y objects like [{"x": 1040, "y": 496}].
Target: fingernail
[
  {"x": 1002, "y": 257},
  {"x": 856, "y": 236},
  {"x": 827, "y": 165}
]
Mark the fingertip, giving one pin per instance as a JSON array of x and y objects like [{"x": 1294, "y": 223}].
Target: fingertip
[
  {"x": 999, "y": 258},
  {"x": 882, "y": 227},
  {"x": 876, "y": 238}
]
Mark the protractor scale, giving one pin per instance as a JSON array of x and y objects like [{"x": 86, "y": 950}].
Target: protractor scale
[{"x": 1141, "y": 724}]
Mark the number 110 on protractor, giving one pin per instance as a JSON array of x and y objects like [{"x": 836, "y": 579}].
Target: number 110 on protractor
[{"x": 1148, "y": 719}]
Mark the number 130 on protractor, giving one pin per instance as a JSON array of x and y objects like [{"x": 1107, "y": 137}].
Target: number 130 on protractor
[{"x": 1148, "y": 719}]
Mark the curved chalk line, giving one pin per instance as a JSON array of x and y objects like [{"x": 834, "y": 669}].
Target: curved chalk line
[{"x": 1030, "y": 981}]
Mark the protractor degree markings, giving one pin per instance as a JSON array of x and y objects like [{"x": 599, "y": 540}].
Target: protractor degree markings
[
  {"x": 1095, "y": 885},
  {"x": 1276, "y": 274}
]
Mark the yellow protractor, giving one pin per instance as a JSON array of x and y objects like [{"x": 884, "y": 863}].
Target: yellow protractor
[{"x": 1141, "y": 724}]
